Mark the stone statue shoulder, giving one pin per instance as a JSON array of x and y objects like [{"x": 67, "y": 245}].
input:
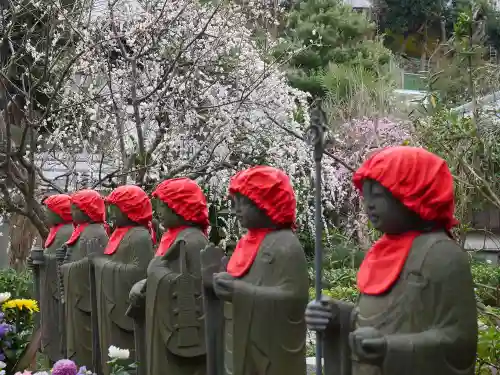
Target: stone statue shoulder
[
  {"x": 193, "y": 237},
  {"x": 139, "y": 233},
  {"x": 63, "y": 235},
  {"x": 65, "y": 232},
  {"x": 95, "y": 232},
  {"x": 283, "y": 245},
  {"x": 423, "y": 248}
]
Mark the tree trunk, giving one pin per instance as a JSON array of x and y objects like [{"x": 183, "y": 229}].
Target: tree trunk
[{"x": 22, "y": 235}]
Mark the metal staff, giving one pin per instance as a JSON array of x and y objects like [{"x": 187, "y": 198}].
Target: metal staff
[
  {"x": 315, "y": 136},
  {"x": 61, "y": 256}
]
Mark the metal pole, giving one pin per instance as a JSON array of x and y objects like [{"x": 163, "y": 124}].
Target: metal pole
[
  {"x": 318, "y": 258},
  {"x": 316, "y": 139}
]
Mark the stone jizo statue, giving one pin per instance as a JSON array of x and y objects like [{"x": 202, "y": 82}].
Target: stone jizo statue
[
  {"x": 265, "y": 286},
  {"x": 89, "y": 235},
  {"x": 125, "y": 260},
  {"x": 416, "y": 313},
  {"x": 175, "y": 332},
  {"x": 58, "y": 211}
]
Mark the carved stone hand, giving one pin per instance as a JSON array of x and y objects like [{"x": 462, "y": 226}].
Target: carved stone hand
[
  {"x": 319, "y": 314},
  {"x": 368, "y": 344},
  {"x": 136, "y": 294},
  {"x": 224, "y": 285}
]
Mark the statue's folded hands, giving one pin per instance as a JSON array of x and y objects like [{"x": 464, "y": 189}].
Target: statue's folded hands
[
  {"x": 369, "y": 345},
  {"x": 224, "y": 285}
]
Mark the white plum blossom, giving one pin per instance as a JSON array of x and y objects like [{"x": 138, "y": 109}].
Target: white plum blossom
[
  {"x": 117, "y": 353},
  {"x": 169, "y": 88},
  {"x": 153, "y": 89},
  {"x": 5, "y": 296}
]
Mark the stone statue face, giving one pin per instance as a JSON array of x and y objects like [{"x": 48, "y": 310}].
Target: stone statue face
[
  {"x": 117, "y": 217},
  {"x": 249, "y": 215},
  {"x": 386, "y": 213},
  {"x": 168, "y": 217},
  {"x": 52, "y": 218},
  {"x": 78, "y": 215}
]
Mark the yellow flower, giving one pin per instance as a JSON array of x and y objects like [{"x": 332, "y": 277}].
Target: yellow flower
[{"x": 20, "y": 304}]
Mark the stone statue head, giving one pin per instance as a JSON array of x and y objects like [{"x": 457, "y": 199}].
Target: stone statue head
[
  {"x": 386, "y": 213},
  {"x": 249, "y": 215},
  {"x": 52, "y": 217},
  {"x": 79, "y": 217},
  {"x": 118, "y": 217},
  {"x": 168, "y": 217}
]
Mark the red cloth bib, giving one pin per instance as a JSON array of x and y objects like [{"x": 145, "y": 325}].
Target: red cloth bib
[
  {"x": 52, "y": 234},
  {"x": 115, "y": 239},
  {"x": 246, "y": 251},
  {"x": 168, "y": 239},
  {"x": 384, "y": 262},
  {"x": 77, "y": 231}
]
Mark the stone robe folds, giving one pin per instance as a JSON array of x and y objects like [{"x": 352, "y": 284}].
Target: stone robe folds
[
  {"x": 50, "y": 298},
  {"x": 265, "y": 330},
  {"x": 77, "y": 293},
  {"x": 115, "y": 275},
  {"x": 429, "y": 316},
  {"x": 161, "y": 341}
]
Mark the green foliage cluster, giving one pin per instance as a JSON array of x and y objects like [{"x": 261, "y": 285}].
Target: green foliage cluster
[
  {"x": 326, "y": 34},
  {"x": 470, "y": 147},
  {"x": 408, "y": 16},
  {"x": 18, "y": 284}
]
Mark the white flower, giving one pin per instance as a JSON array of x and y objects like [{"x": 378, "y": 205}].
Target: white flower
[
  {"x": 2, "y": 372},
  {"x": 4, "y": 297},
  {"x": 117, "y": 353},
  {"x": 2, "y": 365}
]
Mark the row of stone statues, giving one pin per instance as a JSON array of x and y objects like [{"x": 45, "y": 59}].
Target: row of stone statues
[{"x": 186, "y": 308}]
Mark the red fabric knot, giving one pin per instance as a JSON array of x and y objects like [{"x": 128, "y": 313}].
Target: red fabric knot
[
  {"x": 185, "y": 197},
  {"x": 423, "y": 182},
  {"x": 270, "y": 189},
  {"x": 91, "y": 203},
  {"x": 61, "y": 205}
]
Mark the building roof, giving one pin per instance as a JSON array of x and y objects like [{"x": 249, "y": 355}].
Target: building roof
[{"x": 359, "y": 3}]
